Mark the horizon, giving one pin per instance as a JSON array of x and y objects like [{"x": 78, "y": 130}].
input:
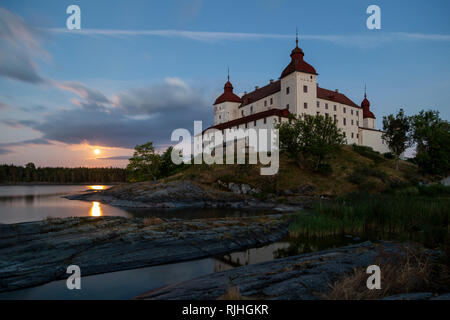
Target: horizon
[{"x": 135, "y": 72}]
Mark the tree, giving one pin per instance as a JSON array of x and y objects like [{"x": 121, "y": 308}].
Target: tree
[
  {"x": 145, "y": 163},
  {"x": 314, "y": 137},
  {"x": 432, "y": 137},
  {"x": 396, "y": 134},
  {"x": 167, "y": 166}
]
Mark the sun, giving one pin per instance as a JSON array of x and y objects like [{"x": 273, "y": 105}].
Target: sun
[{"x": 96, "y": 151}]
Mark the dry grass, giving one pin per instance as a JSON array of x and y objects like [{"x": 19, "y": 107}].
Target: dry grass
[
  {"x": 292, "y": 175},
  {"x": 405, "y": 272},
  {"x": 232, "y": 293}
]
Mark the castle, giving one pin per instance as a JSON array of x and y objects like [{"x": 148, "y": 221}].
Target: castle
[{"x": 296, "y": 92}]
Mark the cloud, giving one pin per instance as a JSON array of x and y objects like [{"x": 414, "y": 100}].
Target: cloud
[
  {"x": 115, "y": 158},
  {"x": 211, "y": 36},
  {"x": 6, "y": 148},
  {"x": 19, "y": 47},
  {"x": 135, "y": 117},
  {"x": 89, "y": 94}
]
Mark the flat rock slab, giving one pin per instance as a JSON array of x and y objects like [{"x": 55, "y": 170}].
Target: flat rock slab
[
  {"x": 34, "y": 253},
  {"x": 305, "y": 276}
]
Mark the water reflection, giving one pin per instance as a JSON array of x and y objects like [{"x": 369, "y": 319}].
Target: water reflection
[
  {"x": 97, "y": 187},
  {"x": 96, "y": 210}
]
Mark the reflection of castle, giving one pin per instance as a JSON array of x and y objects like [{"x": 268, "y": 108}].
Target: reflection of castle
[
  {"x": 250, "y": 256},
  {"x": 296, "y": 92}
]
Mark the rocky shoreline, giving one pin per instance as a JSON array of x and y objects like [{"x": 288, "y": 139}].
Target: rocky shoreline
[
  {"x": 184, "y": 194},
  {"x": 302, "y": 277},
  {"x": 35, "y": 253}
]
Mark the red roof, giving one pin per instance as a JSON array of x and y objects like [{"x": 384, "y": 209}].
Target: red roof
[
  {"x": 365, "y": 104},
  {"x": 298, "y": 64},
  {"x": 334, "y": 96},
  {"x": 227, "y": 94},
  {"x": 253, "y": 117},
  {"x": 260, "y": 93}
]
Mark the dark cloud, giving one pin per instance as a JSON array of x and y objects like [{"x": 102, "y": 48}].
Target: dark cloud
[
  {"x": 19, "y": 48},
  {"x": 137, "y": 116},
  {"x": 6, "y": 148},
  {"x": 115, "y": 158},
  {"x": 89, "y": 94}
]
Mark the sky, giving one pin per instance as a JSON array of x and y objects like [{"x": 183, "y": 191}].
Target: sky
[{"x": 137, "y": 70}]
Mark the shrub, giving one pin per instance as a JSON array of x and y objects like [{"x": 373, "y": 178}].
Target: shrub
[
  {"x": 434, "y": 190},
  {"x": 368, "y": 152},
  {"x": 325, "y": 169},
  {"x": 389, "y": 155}
]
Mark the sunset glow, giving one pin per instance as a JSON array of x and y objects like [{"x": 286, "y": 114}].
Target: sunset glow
[
  {"x": 96, "y": 210},
  {"x": 96, "y": 151},
  {"x": 96, "y": 187}
]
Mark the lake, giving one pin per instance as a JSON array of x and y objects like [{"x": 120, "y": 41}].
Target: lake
[
  {"x": 32, "y": 203},
  {"x": 38, "y": 202}
]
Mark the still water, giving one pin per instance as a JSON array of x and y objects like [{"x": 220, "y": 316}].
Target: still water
[
  {"x": 31, "y": 203},
  {"x": 38, "y": 202}
]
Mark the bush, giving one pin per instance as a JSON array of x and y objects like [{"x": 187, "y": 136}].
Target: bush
[
  {"x": 368, "y": 152},
  {"x": 325, "y": 169},
  {"x": 434, "y": 190},
  {"x": 389, "y": 155}
]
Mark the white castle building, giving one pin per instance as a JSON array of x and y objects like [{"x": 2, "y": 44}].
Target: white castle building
[{"x": 295, "y": 92}]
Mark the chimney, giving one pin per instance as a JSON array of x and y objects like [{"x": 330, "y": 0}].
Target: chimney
[
  {"x": 245, "y": 92},
  {"x": 256, "y": 87},
  {"x": 271, "y": 80},
  {"x": 337, "y": 91}
]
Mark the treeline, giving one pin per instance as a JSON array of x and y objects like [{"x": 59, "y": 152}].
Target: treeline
[{"x": 29, "y": 174}]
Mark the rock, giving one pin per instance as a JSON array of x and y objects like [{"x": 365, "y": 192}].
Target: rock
[
  {"x": 245, "y": 188},
  {"x": 233, "y": 187},
  {"x": 445, "y": 296},
  {"x": 306, "y": 276},
  {"x": 35, "y": 253}
]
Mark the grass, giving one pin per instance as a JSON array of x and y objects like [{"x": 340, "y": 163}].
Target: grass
[
  {"x": 420, "y": 218},
  {"x": 331, "y": 181},
  {"x": 411, "y": 270}
]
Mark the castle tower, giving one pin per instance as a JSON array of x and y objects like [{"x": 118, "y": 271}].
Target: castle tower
[
  {"x": 298, "y": 84},
  {"x": 226, "y": 105},
  {"x": 368, "y": 116}
]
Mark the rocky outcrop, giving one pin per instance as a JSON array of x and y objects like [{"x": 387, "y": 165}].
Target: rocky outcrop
[
  {"x": 34, "y": 253},
  {"x": 306, "y": 276},
  {"x": 182, "y": 194}
]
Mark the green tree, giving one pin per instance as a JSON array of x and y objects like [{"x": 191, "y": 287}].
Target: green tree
[
  {"x": 168, "y": 168},
  {"x": 145, "y": 163},
  {"x": 432, "y": 137},
  {"x": 313, "y": 138},
  {"x": 396, "y": 129}
]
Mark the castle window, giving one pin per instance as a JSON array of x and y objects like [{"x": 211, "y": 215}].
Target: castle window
[
  {"x": 352, "y": 121},
  {"x": 357, "y": 136},
  {"x": 251, "y": 109},
  {"x": 305, "y": 105},
  {"x": 335, "y": 119},
  {"x": 246, "y": 125},
  {"x": 345, "y": 122},
  {"x": 287, "y": 90},
  {"x": 254, "y": 123},
  {"x": 318, "y": 104},
  {"x": 345, "y": 110},
  {"x": 335, "y": 108},
  {"x": 265, "y": 103},
  {"x": 345, "y": 134},
  {"x": 305, "y": 88},
  {"x": 357, "y": 113},
  {"x": 326, "y": 106},
  {"x": 352, "y": 112},
  {"x": 265, "y": 120},
  {"x": 357, "y": 123},
  {"x": 352, "y": 135},
  {"x": 242, "y": 112},
  {"x": 271, "y": 100}
]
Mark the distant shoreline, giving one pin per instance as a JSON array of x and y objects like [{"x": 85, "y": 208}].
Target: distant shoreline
[{"x": 58, "y": 184}]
